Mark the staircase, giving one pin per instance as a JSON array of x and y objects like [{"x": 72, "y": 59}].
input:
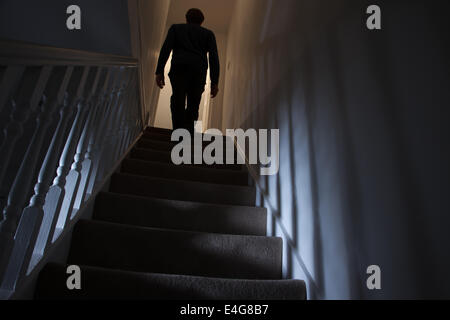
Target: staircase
[{"x": 173, "y": 232}]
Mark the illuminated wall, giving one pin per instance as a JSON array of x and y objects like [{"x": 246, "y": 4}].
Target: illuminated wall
[
  {"x": 148, "y": 21},
  {"x": 362, "y": 115}
]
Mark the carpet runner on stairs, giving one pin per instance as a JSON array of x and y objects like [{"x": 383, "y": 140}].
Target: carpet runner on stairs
[{"x": 173, "y": 232}]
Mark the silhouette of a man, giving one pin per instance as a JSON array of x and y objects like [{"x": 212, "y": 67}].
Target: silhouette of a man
[{"x": 190, "y": 44}]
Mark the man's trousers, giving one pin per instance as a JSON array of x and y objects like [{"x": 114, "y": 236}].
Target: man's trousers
[{"x": 187, "y": 90}]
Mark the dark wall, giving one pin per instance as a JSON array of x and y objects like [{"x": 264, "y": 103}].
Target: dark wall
[
  {"x": 105, "y": 26},
  {"x": 364, "y": 151}
]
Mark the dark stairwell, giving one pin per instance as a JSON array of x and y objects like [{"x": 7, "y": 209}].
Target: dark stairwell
[
  {"x": 363, "y": 120},
  {"x": 173, "y": 232}
]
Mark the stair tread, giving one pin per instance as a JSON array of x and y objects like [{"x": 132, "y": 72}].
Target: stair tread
[
  {"x": 174, "y": 232},
  {"x": 159, "y": 139},
  {"x": 183, "y": 190},
  {"x": 100, "y": 283},
  {"x": 146, "y": 142},
  {"x": 168, "y": 136},
  {"x": 166, "y": 132},
  {"x": 165, "y": 157},
  {"x": 159, "y": 130},
  {"x": 171, "y": 171},
  {"x": 180, "y": 215},
  {"x": 133, "y": 248}
]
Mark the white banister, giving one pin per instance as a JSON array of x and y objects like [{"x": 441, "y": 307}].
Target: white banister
[
  {"x": 13, "y": 211},
  {"x": 70, "y": 117},
  {"x": 21, "y": 108},
  {"x": 109, "y": 125},
  {"x": 80, "y": 156},
  {"x": 92, "y": 138},
  {"x": 45, "y": 218},
  {"x": 61, "y": 198}
]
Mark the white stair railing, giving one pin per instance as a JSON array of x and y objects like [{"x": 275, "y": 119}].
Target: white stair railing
[{"x": 67, "y": 118}]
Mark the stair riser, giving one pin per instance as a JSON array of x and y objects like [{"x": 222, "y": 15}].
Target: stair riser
[
  {"x": 165, "y": 157},
  {"x": 179, "y": 215},
  {"x": 183, "y": 190},
  {"x": 165, "y": 171},
  {"x": 163, "y": 251},
  {"x": 97, "y": 283},
  {"x": 159, "y": 131},
  {"x": 168, "y": 137},
  {"x": 168, "y": 146}
]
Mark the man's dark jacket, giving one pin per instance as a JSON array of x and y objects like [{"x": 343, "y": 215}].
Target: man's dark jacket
[{"x": 190, "y": 44}]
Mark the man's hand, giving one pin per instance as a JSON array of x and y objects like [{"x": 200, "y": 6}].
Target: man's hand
[
  {"x": 214, "y": 90},
  {"x": 160, "y": 81}
]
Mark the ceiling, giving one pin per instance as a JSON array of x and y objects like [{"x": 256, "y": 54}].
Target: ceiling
[{"x": 217, "y": 12}]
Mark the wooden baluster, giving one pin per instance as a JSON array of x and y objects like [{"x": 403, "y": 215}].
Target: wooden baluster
[
  {"x": 48, "y": 222},
  {"x": 83, "y": 156},
  {"x": 130, "y": 112},
  {"x": 125, "y": 126},
  {"x": 112, "y": 137},
  {"x": 121, "y": 132},
  {"x": 143, "y": 122},
  {"x": 118, "y": 141},
  {"x": 132, "y": 123},
  {"x": 59, "y": 195},
  {"x": 132, "y": 115},
  {"x": 101, "y": 164},
  {"x": 35, "y": 213},
  {"x": 135, "y": 125},
  {"x": 15, "y": 230},
  {"x": 138, "y": 125},
  {"x": 69, "y": 179},
  {"x": 106, "y": 153},
  {"x": 102, "y": 103},
  {"x": 33, "y": 83},
  {"x": 97, "y": 140},
  {"x": 74, "y": 176}
]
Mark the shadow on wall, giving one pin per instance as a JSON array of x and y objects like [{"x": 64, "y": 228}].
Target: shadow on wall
[
  {"x": 354, "y": 188},
  {"x": 104, "y": 24}
]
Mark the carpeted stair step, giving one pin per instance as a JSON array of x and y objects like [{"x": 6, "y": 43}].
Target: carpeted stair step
[
  {"x": 183, "y": 190},
  {"x": 131, "y": 248},
  {"x": 162, "y": 132},
  {"x": 155, "y": 145},
  {"x": 157, "y": 136},
  {"x": 180, "y": 215},
  {"x": 165, "y": 156},
  {"x": 170, "y": 171},
  {"x": 174, "y": 232},
  {"x": 159, "y": 130},
  {"x": 160, "y": 145},
  {"x": 167, "y": 137},
  {"x": 98, "y": 283}
]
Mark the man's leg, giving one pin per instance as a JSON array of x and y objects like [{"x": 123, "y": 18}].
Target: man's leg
[
  {"x": 178, "y": 100},
  {"x": 194, "y": 96}
]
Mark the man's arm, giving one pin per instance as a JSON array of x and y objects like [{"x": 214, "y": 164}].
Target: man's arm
[
  {"x": 164, "y": 56},
  {"x": 214, "y": 65}
]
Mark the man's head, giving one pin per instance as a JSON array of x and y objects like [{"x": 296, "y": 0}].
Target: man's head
[{"x": 195, "y": 16}]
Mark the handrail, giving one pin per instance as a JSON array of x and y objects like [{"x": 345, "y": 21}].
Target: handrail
[{"x": 66, "y": 118}]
